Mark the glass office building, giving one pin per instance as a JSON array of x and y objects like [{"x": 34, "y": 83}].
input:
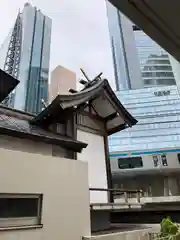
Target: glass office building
[
  {"x": 147, "y": 156},
  {"x": 155, "y": 64},
  {"x": 25, "y": 55},
  {"x": 138, "y": 60},
  {"x": 126, "y": 65},
  {"x": 157, "y": 110}
]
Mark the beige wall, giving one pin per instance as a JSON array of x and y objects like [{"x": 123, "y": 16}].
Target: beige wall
[
  {"x": 64, "y": 185},
  {"x": 25, "y": 145},
  {"x": 62, "y": 79},
  {"x": 94, "y": 154}
]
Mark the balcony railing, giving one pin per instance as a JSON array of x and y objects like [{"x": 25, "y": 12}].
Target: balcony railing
[{"x": 122, "y": 193}]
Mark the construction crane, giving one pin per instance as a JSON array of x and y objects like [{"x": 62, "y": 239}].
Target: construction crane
[{"x": 12, "y": 61}]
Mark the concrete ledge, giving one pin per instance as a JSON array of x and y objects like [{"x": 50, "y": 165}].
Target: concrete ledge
[
  {"x": 115, "y": 206},
  {"x": 142, "y": 234},
  {"x": 21, "y": 227},
  {"x": 149, "y": 199}
]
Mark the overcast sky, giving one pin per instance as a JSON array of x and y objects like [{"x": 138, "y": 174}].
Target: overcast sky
[{"x": 80, "y": 36}]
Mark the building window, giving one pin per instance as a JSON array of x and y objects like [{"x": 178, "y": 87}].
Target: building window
[
  {"x": 20, "y": 210},
  {"x": 147, "y": 81},
  {"x": 162, "y": 93},
  {"x": 131, "y": 162},
  {"x": 164, "y": 160},
  {"x": 155, "y": 161}
]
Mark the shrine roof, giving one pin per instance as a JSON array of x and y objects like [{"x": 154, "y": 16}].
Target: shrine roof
[
  {"x": 7, "y": 84},
  {"x": 100, "y": 96}
]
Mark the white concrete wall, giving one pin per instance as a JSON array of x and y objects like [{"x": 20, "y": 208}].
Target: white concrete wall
[
  {"x": 64, "y": 185},
  {"x": 94, "y": 154}
]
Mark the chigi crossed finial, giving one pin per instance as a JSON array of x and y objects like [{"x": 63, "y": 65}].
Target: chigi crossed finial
[{"x": 86, "y": 82}]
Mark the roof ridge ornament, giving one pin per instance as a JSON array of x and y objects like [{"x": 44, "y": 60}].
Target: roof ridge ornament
[
  {"x": 88, "y": 82},
  {"x": 97, "y": 78},
  {"x": 85, "y": 75}
]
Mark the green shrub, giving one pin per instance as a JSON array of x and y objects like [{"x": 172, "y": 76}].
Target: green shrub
[{"x": 169, "y": 230}]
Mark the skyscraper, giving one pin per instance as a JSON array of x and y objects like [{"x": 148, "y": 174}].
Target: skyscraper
[
  {"x": 25, "y": 55},
  {"x": 126, "y": 64},
  {"x": 62, "y": 79},
  {"x": 138, "y": 60},
  {"x": 155, "y": 64}
]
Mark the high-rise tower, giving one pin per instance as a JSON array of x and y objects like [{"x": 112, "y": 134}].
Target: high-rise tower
[
  {"x": 155, "y": 64},
  {"x": 62, "y": 79},
  {"x": 126, "y": 64},
  {"x": 25, "y": 55},
  {"x": 138, "y": 60}
]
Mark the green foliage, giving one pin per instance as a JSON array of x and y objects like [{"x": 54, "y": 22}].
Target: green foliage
[{"x": 169, "y": 230}]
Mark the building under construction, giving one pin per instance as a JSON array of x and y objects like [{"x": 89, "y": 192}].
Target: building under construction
[{"x": 25, "y": 55}]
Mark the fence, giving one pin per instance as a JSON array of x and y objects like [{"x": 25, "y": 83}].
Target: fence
[{"x": 124, "y": 193}]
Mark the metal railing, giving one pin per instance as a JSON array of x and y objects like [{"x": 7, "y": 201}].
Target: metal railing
[{"x": 125, "y": 193}]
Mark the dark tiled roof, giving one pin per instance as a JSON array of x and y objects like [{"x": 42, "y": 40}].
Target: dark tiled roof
[
  {"x": 7, "y": 84},
  {"x": 23, "y": 129}
]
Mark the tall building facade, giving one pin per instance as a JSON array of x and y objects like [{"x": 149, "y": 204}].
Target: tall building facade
[
  {"x": 155, "y": 63},
  {"x": 138, "y": 60},
  {"x": 26, "y": 56},
  {"x": 126, "y": 65},
  {"x": 157, "y": 110},
  {"x": 147, "y": 156},
  {"x": 62, "y": 79}
]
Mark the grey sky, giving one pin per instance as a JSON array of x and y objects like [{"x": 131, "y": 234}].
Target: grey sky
[{"x": 80, "y": 35}]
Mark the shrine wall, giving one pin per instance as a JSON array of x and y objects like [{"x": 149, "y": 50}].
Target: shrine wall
[{"x": 94, "y": 154}]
